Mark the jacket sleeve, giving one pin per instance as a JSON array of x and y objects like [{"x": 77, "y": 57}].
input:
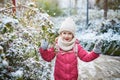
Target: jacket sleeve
[
  {"x": 86, "y": 56},
  {"x": 48, "y": 54}
]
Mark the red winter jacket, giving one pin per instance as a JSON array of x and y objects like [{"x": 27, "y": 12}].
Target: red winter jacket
[{"x": 66, "y": 62}]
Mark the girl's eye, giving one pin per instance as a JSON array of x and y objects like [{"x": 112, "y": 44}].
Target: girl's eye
[
  {"x": 69, "y": 33},
  {"x": 64, "y": 33}
]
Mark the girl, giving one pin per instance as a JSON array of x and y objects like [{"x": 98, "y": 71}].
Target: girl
[{"x": 68, "y": 49}]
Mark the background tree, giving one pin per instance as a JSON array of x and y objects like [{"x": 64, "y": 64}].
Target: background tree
[
  {"x": 105, "y": 8},
  {"x": 75, "y": 7},
  {"x": 107, "y": 4},
  {"x": 49, "y": 6},
  {"x": 14, "y": 8}
]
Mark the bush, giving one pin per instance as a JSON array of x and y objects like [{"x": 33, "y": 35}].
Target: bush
[
  {"x": 50, "y": 6},
  {"x": 19, "y": 43}
]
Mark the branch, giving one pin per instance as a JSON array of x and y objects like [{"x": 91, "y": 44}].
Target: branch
[{"x": 11, "y": 7}]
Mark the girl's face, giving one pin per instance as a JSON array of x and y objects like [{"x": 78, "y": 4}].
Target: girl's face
[{"x": 66, "y": 36}]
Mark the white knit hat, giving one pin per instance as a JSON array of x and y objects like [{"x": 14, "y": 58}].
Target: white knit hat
[{"x": 68, "y": 25}]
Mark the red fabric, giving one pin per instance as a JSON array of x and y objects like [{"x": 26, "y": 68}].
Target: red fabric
[{"x": 66, "y": 62}]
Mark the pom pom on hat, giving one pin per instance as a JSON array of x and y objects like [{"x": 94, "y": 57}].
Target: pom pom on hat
[{"x": 68, "y": 25}]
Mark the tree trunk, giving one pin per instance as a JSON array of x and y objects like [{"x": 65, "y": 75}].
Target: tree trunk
[
  {"x": 14, "y": 8},
  {"x": 75, "y": 7},
  {"x": 105, "y": 8}
]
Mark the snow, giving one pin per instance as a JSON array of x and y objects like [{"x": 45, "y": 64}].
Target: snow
[
  {"x": 5, "y": 63},
  {"x": 18, "y": 73},
  {"x": 8, "y": 20},
  {"x": 109, "y": 36},
  {"x": 1, "y": 49}
]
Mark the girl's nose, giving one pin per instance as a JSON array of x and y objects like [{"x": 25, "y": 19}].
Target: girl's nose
[{"x": 66, "y": 35}]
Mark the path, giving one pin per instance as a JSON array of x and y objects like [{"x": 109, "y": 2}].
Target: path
[{"x": 103, "y": 68}]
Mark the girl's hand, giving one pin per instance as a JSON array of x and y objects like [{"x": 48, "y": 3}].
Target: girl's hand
[
  {"x": 44, "y": 44},
  {"x": 98, "y": 46}
]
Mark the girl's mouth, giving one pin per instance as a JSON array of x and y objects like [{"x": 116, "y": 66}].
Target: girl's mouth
[{"x": 66, "y": 39}]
